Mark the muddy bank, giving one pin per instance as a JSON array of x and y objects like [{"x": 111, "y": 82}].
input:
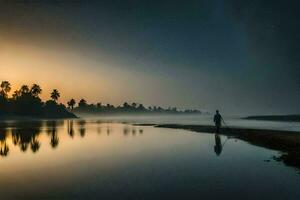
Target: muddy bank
[{"x": 287, "y": 142}]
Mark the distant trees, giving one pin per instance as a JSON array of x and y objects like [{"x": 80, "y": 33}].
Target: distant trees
[
  {"x": 99, "y": 105},
  {"x": 24, "y": 89},
  {"x": 35, "y": 90},
  {"x": 55, "y": 95},
  {"x": 71, "y": 103},
  {"x": 127, "y": 108},
  {"x": 26, "y": 102},
  {"x": 134, "y": 105},
  {"x": 125, "y": 105},
  {"x": 82, "y": 103},
  {"x": 141, "y": 107},
  {"x": 5, "y": 88}
]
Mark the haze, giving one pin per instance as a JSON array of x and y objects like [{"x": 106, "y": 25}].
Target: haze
[{"x": 237, "y": 56}]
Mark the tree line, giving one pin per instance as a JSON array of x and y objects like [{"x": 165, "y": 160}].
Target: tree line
[
  {"x": 26, "y": 102},
  {"x": 83, "y": 106}
]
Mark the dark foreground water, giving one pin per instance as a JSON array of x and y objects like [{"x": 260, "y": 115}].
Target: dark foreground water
[{"x": 93, "y": 160}]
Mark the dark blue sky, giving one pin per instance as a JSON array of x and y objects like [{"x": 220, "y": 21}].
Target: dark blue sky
[{"x": 238, "y": 56}]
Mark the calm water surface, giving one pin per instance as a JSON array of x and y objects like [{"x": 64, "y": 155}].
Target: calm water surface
[
  {"x": 90, "y": 159},
  {"x": 204, "y": 119}
]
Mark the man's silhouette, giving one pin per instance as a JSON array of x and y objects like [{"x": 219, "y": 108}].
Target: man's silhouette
[{"x": 217, "y": 120}]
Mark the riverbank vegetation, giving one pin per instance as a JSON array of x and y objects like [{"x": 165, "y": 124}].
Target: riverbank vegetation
[
  {"x": 134, "y": 108},
  {"x": 26, "y": 103}
]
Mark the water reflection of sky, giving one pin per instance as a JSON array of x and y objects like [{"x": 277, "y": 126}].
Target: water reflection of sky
[
  {"x": 205, "y": 119},
  {"x": 91, "y": 159}
]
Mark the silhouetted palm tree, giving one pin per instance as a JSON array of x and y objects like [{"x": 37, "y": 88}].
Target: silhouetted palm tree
[
  {"x": 5, "y": 88},
  {"x": 99, "y": 105},
  {"x": 141, "y": 107},
  {"x": 134, "y": 105},
  {"x": 55, "y": 95},
  {"x": 125, "y": 105},
  {"x": 24, "y": 89},
  {"x": 71, "y": 103},
  {"x": 35, "y": 90}
]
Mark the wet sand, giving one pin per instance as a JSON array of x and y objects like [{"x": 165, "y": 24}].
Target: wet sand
[{"x": 287, "y": 142}]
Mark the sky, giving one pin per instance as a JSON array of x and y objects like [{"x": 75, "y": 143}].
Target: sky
[{"x": 241, "y": 57}]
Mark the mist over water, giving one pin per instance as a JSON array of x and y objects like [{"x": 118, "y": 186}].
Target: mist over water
[{"x": 203, "y": 119}]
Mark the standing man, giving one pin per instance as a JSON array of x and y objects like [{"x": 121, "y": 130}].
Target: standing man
[{"x": 217, "y": 120}]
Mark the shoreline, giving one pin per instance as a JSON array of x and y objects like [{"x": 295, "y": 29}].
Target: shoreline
[{"x": 286, "y": 142}]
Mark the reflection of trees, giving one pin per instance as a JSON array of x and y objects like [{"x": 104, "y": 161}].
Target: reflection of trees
[
  {"x": 133, "y": 131},
  {"x": 108, "y": 131},
  {"x": 81, "y": 125},
  {"x": 126, "y": 131},
  {"x": 35, "y": 145},
  {"x": 26, "y": 134},
  {"x": 23, "y": 146},
  {"x": 52, "y": 131},
  {"x": 98, "y": 122},
  {"x": 54, "y": 141},
  {"x": 4, "y": 148},
  {"x": 99, "y": 130},
  {"x": 70, "y": 128}
]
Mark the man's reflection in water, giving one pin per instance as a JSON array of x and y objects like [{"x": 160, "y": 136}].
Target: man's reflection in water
[{"x": 218, "y": 145}]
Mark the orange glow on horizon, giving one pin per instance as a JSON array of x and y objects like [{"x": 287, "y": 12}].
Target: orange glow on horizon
[{"x": 51, "y": 68}]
